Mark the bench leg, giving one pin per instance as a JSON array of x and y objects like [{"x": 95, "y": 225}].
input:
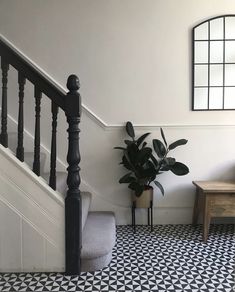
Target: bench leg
[
  {"x": 196, "y": 207},
  {"x": 206, "y": 220}
]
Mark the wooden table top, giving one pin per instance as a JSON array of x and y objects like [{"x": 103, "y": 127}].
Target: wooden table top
[{"x": 211, "y": 186}]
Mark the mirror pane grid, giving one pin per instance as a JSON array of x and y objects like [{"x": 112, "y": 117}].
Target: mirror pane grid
[
  {"x": 229, "y": 98},
  {"x": 216, "y": 98},
  {"x": 201, "y": 75},
  {"x": 214, "y": 64},
  {"x": 216, "y": 29},
  {"x": 201, "y": 98},
  {"x": 230, "y": 51},
  {"x": 229, "y": 75}
]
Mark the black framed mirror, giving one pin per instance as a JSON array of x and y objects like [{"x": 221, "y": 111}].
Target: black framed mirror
[{"x": 213, "y": 58}]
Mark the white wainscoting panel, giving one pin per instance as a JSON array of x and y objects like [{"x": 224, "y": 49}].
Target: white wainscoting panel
[{"x": 31, "y": 220}]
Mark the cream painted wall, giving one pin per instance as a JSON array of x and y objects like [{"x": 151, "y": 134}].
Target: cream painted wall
[
  {"x": 134, "y": 61},
  {"x": 126, "y": 52}
]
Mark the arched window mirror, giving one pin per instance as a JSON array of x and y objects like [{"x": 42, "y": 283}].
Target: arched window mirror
[{"x": 213, "y": 77}]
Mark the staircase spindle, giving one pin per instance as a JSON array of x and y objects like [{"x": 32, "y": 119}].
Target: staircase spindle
[
  {"x": 20, "y": 146},
  {"x": 36, "y": 163},
  {"x": 73, "y": 210},
  {"x": 4, "y": 135},
  {"x": 52, "y": 180}
]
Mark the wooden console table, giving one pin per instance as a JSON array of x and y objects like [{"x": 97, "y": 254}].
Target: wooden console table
[{"x": 215, "y": 199}]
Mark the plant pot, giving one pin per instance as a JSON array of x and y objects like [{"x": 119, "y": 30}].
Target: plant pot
[{"x": 145, "y": 199}]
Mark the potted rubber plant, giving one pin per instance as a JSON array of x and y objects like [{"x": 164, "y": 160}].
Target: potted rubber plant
[{"x": 145, "y": 163}]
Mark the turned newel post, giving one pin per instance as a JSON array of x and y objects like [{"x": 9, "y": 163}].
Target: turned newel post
[{"x": 73, "y": 200}]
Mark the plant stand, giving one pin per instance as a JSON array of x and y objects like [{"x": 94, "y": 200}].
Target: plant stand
[{"x": 150, "y": 216}]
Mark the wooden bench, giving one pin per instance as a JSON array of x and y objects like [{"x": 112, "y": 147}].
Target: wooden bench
[{"x": 214, "y": 199}]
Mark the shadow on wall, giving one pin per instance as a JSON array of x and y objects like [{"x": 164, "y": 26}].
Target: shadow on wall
[{"x": 225, "y": 173}]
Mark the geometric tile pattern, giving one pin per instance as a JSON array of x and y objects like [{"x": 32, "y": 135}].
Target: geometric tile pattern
[{"x": 171, "y": 258}]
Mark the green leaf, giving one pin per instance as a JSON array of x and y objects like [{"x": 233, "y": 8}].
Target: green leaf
[
  {"x": 128, "y": 142},
  {"x": 177, "y": 143},
  {"x": 157, "y": 183},
  {"x": 127, "y": 178},
  {"x": 179, "y": 168},
  {"x": 137, "y": 188},
  {"x": 126, "y": 163},
  {"x": 144, "y": 155},
  {"x": 148, "y": 173},
  {"x": 144, "y": 144},
  {"x": 132, "y": 153},
  {"x": 154, "y": 160},
  {"x": 119, "y": 148},
  {"x": 163, "y": 137},
  {"x": 169, "y": 160},
  {"x": 130, "y": 130},
  {"x": 159, "y": 148},
  {"x": 165, "y": 168},
  {"x": 142, "y": 138}
]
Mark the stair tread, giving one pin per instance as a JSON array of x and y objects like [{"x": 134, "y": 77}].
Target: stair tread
[{"x": 99, "y": 233}]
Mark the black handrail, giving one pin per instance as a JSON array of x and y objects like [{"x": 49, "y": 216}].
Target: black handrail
[
  {"x": 70, "y": 103},
  {"x": 32, "y": 73}
]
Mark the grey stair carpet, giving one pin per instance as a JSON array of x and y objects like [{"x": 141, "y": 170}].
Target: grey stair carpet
[
  {"x": 98, "y": 240},
  {"x": 98, "y": 230}
]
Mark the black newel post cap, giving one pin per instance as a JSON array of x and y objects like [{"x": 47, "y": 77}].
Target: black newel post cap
[
  {"x": 73, "y": 83},
  {"x": 73, "y": 100}
]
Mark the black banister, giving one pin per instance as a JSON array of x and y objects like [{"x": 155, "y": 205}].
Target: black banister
[
  {"x": 36, "y": 162},
  {"x": 4, "y": 135},
  {"x": 70, "y": 103},
  {"x": 52, "y": 178},
  {"x": 73, "y": 200},
  {"x": 20, "y": 144},
  {"x": 32, "y": 73}
]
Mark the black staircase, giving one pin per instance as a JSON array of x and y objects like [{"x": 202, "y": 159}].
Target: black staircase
[{"x": 70, "y": 103}]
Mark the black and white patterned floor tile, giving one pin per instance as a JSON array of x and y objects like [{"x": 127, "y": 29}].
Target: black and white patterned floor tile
[{"x": 171, "y": 258}]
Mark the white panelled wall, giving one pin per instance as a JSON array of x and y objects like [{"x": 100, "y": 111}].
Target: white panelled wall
[
  {"x": 134, "y": 61},
  {"x": 31, "y": 220}
]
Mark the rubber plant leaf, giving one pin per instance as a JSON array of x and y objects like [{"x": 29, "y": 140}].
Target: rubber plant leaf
[
  {"x": 130, "y": 130},
  {"x": 141, "y": 139},
  {"x": 144, "y": 155},
  {"x": 169, "y": 160},
  {"x": 154, "y": 160},
  {"x": 157, "y": 183},
  {"x": 119, "y": 148},
  {"x": 128, "y": 142},
  {"x": 144, "y": 144},
  {"x": 148, "y": 172},
  {"x": 179, "y": 168},
  {"x": 127, "y": 178},
  {"x": 137, "y": 188},
  {"x": 163, "y": 137},
  {"x": 177, "y": 143},
  {"x": 159, "y": 148},
  {"x": 126, "y": 163}
]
